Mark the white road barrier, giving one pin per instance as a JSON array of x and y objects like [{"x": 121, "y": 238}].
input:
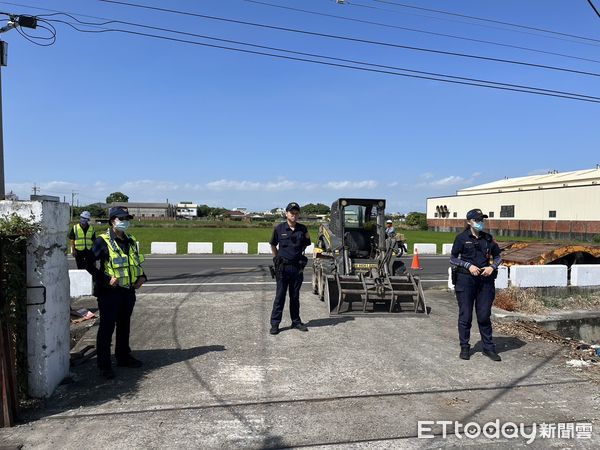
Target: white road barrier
[
  {"x": 235, "y": 248},
  {"x": 585, "y": 275},
  {"x": 310, "y": 249},
  {"x": 500, "y": 283},
  {"x": 425, "y": 249},
  {"x": 80, "y": 282},
  {"x": 538, "y": 276},
  {"x": 200, "y": 248},
  {"x": 446, "y": 249},
  {"x": 163, "y": 248},
  {"x": 264, "y": 248}
]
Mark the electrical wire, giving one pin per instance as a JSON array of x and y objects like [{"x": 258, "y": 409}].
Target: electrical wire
[
  {"x": 35, "y": 38},
  {"x": 421, "y": 49},
  {"x": 312, "y": 55},
  {"x": 351, "y": 19},
  {"x": 529, "y": 90},
  {"x": 403, "y": 5},
  {"x": 539, "y": 33},
  {"x": 594, "y": 8}
]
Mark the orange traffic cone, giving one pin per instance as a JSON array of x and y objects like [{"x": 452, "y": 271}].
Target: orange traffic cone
[{"x": 415, "y": 262}]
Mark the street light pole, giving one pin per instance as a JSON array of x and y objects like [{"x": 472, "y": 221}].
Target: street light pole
[{"x": 3, "y": 46}]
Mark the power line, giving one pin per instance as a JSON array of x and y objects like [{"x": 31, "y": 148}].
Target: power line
[
  {"x": 439, "y": 11},
  {"x": 406, "y": 47},
  {"x": 483, "y": 83},
  {"x": 594, "y": 8},
  {"x": 351, "y": 19},
  {"x": 331, "y": 36},
  {"x": 312, "y": 55},
  {"x": 539, "y": 33}
]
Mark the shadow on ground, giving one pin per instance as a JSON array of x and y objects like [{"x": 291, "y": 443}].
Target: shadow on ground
[
  {"x": 503, "y": 344},
  {"x": 88, "y": 388}
]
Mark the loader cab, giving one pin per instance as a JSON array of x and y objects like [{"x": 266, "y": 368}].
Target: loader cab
[{"x": 359, "y": 222}]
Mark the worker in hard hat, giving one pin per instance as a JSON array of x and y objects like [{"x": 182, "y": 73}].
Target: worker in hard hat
[
  {"x": 389, "y": 228},
  {"x": 82, "y": 237}
]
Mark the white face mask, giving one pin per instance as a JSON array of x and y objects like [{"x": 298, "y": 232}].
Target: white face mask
[{"x": 121, "y": 225}]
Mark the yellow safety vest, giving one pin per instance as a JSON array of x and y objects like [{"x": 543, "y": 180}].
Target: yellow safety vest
[
  {"x": 83, "y": 239},
  {"x": 125, "y": 268}
]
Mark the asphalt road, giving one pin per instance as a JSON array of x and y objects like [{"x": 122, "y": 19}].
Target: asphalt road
[{"x": 217, "y": 273}]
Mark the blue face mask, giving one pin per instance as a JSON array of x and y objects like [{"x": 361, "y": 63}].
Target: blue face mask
[
  {"x": 478, "y": 226},
  {"x": 122, "y": 225}
]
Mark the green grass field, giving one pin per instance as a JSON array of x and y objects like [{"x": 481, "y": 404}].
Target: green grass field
[
  {"x": 184, "y": 232},
  {"x": 183, "y": 235}
]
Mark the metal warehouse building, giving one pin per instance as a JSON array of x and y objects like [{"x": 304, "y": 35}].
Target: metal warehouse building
[{"x": 555, "y": 206}]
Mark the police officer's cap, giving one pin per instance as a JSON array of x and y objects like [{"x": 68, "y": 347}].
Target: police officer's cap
[
  {"x": 476, "y": 214},
  {"x": 292, "y": 206},
  {"x": 119, "y": 212}
]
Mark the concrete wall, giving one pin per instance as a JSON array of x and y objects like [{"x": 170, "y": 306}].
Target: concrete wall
[
  {"x": 500, "y": 283},
  {"x": 48, "y": 340}
]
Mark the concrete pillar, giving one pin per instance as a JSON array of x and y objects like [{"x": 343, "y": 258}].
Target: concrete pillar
[{"x": 48, "y": 340}]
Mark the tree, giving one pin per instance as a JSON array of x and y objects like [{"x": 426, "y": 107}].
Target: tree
[
  {"x": 319, "y": 208},
  {"x": 117, "y": 197},
  {"x": 204, "y": 210},
  {"x": 417, "y": 219}
]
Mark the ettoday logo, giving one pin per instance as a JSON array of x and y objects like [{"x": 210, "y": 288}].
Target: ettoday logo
[{"x": 507, "y": 430}]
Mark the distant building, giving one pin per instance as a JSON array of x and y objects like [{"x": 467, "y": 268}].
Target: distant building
[
  {"x": 11, "y": 196},
  {"x": 242, "y": 210},
  {"x": 554, "y": 205},
  {"x": 148, "y": 210},
  {"x": 187, "y": 210}
]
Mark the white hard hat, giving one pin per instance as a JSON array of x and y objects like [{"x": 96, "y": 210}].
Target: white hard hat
[{"x": 85, "y": 215}]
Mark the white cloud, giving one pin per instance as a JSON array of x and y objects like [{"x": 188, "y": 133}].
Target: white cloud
[
  {"x": 347, "y": 185},
  {"x": 451, "y": 180}
]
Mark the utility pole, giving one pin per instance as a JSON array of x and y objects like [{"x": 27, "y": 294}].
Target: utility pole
[
  {"x": 73, "y": 194},
  {"x": 35, "y": 189},
  {"x": 13, "y": 22}
]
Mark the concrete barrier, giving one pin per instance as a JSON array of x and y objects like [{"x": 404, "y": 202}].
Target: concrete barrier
[
  {"x": 163, "y": 248},
  {"x": 310, "y": 249},
  {"x": 538, "y": 276},
  {"x": 446, "y": 249},
  {"x": 264, "y": 248},
  {"x": 235, "y": 248},
  {"x": 200, "y": 248},
  {"x": 80, "y": 283},
  {"x": 502, "y": 278},
  {"x": 425, "y": 249},
  {"x": 500, "y": 283},
  {"x": 585, "y": 275}
]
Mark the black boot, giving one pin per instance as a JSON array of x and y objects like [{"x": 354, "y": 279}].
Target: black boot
[{"x": 465, "y": 353}]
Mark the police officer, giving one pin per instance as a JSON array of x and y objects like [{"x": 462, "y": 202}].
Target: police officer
[
  {"x": 288, "y": 242},
  {"x": 475, "y": 258},
  {"x": 119, "y": 275},
  {"x": 82, "y": 237}
]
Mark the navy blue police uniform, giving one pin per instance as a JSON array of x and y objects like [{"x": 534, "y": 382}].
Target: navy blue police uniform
[
  {"x": 115, "y": 303},
  {"x": 290, "y": 262},
  {"x": 479, "y": 291}
]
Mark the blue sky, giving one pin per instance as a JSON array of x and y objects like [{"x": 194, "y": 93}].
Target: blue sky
[{"x": 102, "y": 112}]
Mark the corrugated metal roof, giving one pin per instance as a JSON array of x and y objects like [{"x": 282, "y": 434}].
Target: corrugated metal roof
[
  {"x": 549, "y": 180},
  {"x": 140, "y": 205}
]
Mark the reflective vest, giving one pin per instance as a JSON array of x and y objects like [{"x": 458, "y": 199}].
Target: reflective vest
[
  {"x": 83, "y": 239},
  {"x": 125, "y": 268}
]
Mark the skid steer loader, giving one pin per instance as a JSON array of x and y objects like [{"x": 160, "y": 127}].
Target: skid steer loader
[{"x": 355, "y": 261}]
